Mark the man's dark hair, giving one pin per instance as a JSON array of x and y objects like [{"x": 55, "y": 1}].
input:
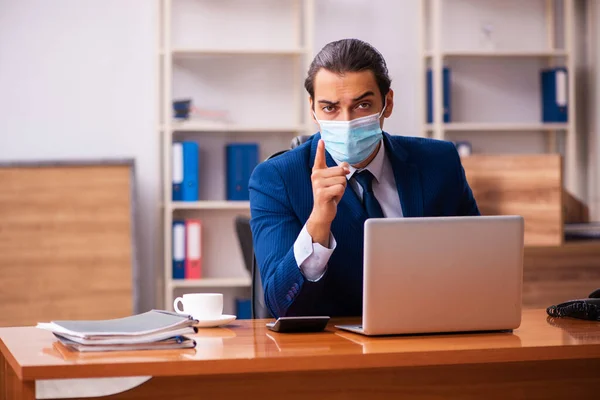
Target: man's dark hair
[{"x": 349, "y": 55}]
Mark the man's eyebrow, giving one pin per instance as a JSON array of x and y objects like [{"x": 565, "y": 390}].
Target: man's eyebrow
[
  {"x": 335, "y": 103},
  {"x": 331, "y": 103},
  {"x": 362, "y": 96}
]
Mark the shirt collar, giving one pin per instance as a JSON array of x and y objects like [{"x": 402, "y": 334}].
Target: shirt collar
[{"x": 375, "y": 166}]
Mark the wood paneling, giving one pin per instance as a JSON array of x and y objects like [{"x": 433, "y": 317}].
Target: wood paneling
[
  {"x": 527, "y": 185},
  {"x": 65, "y": 243},
  {"x": 553, "y": 275},
  {"x": 575, "y": 211}
]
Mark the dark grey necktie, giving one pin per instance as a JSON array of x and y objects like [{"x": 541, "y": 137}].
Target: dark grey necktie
[{"x": 370, "y": 203}]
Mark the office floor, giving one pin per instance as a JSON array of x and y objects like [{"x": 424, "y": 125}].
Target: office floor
[{"x": 79, "y": 388}]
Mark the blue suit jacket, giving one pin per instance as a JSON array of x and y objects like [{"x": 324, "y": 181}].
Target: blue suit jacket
[{"x": 430, "y": 180}]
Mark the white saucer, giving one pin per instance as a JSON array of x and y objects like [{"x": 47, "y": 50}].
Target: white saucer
[{"x": 224, "y": 319}]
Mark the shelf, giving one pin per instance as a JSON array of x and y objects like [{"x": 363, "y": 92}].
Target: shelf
[
  {"x": 203, "y": 127},
  {"x": 499, "y": 127},
  {"x": 184, "y": 53},
  {"x": 211, "y": 282},
  {"x": 500, "y": 53},
  {"x": 211, "y": 205}
]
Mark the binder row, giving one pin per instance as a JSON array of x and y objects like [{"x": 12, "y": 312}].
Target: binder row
[
  {"x": 241, "y": 159},
  {"x": 187, "y": 258},
  {"x": 553, "y": 90},
  {"x": 187, "y": 249}
]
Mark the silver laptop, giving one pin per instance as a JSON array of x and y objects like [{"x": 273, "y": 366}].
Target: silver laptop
[{"x": 441, "y": 274}]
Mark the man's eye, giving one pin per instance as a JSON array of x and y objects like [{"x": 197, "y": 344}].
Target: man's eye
[
  {"x": 364, "y": 106},
  {"x": 328, "y": 109}
]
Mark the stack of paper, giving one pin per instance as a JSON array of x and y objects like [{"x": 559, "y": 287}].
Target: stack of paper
[{"x": 152, "y": 330}]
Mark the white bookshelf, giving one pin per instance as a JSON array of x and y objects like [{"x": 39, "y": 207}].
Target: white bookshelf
[
  {"x": 501, "y": 74},
  {"x": 256, "y": 77},
  {"x": 235, "y": 52},
  {"x": 210, "y": 205},
  {"x": 211, "y": 283},
  {"x": 499, "y": 127},
  {"x": 499, "y": 53},
  {"x": 212, "y": 127}
]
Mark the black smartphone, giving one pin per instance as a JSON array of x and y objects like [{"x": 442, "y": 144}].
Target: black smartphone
[{"x": 299, "y": 324}]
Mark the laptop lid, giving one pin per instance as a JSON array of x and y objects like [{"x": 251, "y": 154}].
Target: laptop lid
[{"x": 442, "y": 274}]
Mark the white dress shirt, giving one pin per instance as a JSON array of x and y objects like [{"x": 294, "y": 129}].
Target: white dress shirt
[{"x": 312, "y": 257}]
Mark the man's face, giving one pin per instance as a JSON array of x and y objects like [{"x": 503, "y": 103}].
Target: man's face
[{"x": 348, "y": 96}]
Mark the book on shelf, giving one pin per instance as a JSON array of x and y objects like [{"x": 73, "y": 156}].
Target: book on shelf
[
  {"x": 152, "y": 330},
  {"x": 241, "y": 159},
  {"x": 446, "y": 95},
  {"x": 243, "y": 308},
  {"x": 187, "y": 249},
  {"x": 193, "y": 249},
  {"x": 178, "y": 249},
  {"x": 554, "y": 94},
  {"x": 185, "y": 171}
]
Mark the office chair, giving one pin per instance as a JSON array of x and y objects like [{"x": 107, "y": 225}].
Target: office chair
[
  {"x": 244, "y": 233},
  {"x": 257, "y": 301}
]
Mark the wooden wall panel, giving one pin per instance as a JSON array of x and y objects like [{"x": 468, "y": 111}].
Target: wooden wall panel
[
  {"x": 527, "y": 185},
  {"x": 65, "y": 242},
  {"x": 553, "y": 275},
  {"x": 574, "y": 210}
]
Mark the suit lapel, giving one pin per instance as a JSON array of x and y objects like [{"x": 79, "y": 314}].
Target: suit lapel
[
  {"x": 408, "y": 180},
  {"x": 406, "y": 174}
]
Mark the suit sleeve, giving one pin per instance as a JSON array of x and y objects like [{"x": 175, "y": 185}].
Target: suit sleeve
[
  {"x": 275, "y": 228},
  {"x": 467, "y": 204}
]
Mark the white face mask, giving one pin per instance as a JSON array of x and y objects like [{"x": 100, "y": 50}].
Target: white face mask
[{"x": 352, "y": 141}]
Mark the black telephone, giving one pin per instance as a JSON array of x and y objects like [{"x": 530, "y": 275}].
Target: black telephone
[{"x": 588, "y": 308}]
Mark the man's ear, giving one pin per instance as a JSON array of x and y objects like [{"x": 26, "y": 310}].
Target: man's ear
[
  {"x": 311, "y": 109},
  {"x": 390, "y": 104}
]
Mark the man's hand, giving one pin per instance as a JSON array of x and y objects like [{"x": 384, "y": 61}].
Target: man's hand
[{"x": 328, "y": 185}]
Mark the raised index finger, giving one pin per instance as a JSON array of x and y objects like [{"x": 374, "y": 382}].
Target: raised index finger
[{"x": 320, "y": 157}]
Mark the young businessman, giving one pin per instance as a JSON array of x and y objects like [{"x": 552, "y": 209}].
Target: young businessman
[{"x": 309, "y": 205}]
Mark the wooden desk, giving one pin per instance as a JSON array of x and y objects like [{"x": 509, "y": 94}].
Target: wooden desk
[{"x": 542, "y": 359}]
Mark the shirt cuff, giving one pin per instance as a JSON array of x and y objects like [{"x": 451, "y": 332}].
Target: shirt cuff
[{"x": 312, "y": 258}]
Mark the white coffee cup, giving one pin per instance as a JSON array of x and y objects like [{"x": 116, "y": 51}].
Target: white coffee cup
[{"x": 201, "y": 306}]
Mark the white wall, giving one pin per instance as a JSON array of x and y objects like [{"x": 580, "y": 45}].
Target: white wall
[
  {"x": 78, "y": 80},
  {"x": 393, "y": 28}
]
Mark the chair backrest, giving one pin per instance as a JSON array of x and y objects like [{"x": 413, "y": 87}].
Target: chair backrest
[
  {"x": 244, "y": 234},
  {"x": 259, "y": 309}
]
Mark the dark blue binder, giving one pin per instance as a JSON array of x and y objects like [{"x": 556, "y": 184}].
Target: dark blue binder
[
  {"x": 243, "y": 308},
  {"x": 554, "y": 94},
  {"x": 191, "y": 170},
  {"x": 446, "y": 95},
  {"x": 178, "y": 249},
  {"x": 241, "y": 160},
  {"x": 177, "y": 171}
]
